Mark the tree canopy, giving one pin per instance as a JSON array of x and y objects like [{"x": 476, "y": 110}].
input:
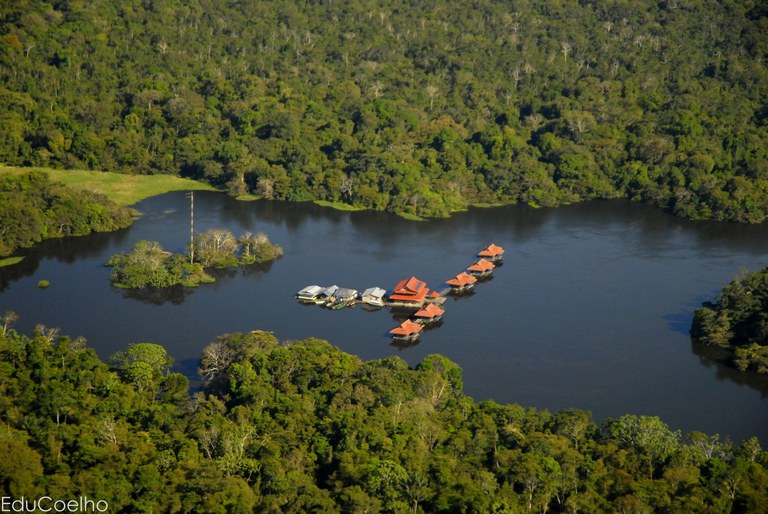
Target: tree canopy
[
  {"x": 416, "y": 107},
  {"x": 301, "y": 426},
  {"x": 33, "y": 208},
  {"x": 738, "y": 320}
]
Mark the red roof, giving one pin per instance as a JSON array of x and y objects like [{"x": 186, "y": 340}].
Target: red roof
[
  {"x": 482, "y": 265},
  {"x": 430, "y": 311},
  {"x": 409, "y": 290},
  {"x": 491, "y": 250},
  {"x": 406, "y": 328},
  {"x": 411, "y": 285},
  {"x": 461, "y": 280}
]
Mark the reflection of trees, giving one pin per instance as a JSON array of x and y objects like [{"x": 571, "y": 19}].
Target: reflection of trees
[
  {"x": 177, "y": 294},
  {"x": 66, "y": 249},
  {"x": 158, "y": 295},
  {"x": 14, "y": 272},
  {"x": 720, "y": 358}
]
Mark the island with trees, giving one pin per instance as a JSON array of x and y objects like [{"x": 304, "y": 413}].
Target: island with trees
[
  {"x": 419, "y": 108},
  {"x": 149, "y": 265},
  {"x": 738, "y": 320},
  {"x": 293, "y": 427}
]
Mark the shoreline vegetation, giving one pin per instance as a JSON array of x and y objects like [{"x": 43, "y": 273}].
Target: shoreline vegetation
[
  {"x": 148, "y": 265},
  {"x": 737, "y": 320},
  {"x": 10, "y": 261},
  {"x": 33, "y": 208},
  {"x": 301, "y": 426}
]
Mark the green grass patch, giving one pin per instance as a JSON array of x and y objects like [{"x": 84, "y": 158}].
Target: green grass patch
[
  {"x": 339, "y": 206},
  {"x": 42, "y": 284},
  {"x": 248, "y": 198},
  {"x": 410, "y": 216},
  {"x": 121, "y": 188},
  {"x": 10, "y": 261},
  {"x": 486, "y": 205}
]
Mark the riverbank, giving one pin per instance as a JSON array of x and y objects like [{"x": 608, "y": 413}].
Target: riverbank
[{"x": 120, "y": 188}]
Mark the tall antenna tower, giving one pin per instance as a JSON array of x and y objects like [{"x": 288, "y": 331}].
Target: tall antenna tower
[{"x": 191, "y": 196}]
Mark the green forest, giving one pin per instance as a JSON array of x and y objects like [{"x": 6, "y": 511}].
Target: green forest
[
  {"x": 419, "y": 107},
  {"x": 300, "y": 426},
  {"x": 33, "y": 208},
  {"x": 738, "y": 320}
]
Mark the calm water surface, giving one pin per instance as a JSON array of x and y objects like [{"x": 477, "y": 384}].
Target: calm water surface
[{"x": 591, "y": 308}]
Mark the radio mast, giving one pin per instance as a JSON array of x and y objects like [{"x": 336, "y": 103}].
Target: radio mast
[{"x": 191, "y": 196}]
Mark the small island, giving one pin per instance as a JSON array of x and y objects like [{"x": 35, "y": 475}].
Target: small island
[
  {"x": 738, "y": 320},
  {"x": 149, "y": 265}
]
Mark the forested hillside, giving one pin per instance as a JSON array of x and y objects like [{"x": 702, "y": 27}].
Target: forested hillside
[
  {"x": 303, "y": 427},
  {"x": 418, "y": 107}
]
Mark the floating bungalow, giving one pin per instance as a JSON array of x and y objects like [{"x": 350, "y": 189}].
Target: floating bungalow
[
  {"x": 374, "y": 296},
  {"x": 429, "y": 314},
  {"x": 408, "y": 331},
  {"x": 493, "y": 252},
  {"x": 343, "y": 297},
  {"x": 410, "y": 292},
  {"x": 461, "y": 282},
  {"x": 309, "y": 294},
  {"x": 481, "y": 268},
  {"x": 326, "y": 295}
]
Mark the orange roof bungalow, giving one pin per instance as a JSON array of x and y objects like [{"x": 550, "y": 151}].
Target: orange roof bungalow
[
  {"x": 462, "y": 282},
  {"x": 492, "y": 252},
  {"x": 429, "y": 314},
  {"x": 411, "y": 291},
  {"x": 407, "y": 331},
  {"x": 481, "y": 268}
]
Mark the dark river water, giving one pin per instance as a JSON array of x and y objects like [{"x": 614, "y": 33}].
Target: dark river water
[{"x": 591, "y": 308}]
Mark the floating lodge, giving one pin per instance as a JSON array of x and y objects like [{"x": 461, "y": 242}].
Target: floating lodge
[
  {"x": 493, "y": 252},
  {"x": 462, "y": 282},
  {"x": 481, "y": 268},
  {"x": 408, "y": 331},
  {"x": 429, "y": 314},
  {"x": 410, "y": 293}
]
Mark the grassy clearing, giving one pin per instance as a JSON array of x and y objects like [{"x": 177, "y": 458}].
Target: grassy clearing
[
  {"x": 485, "y": 205},
  {"x": 248, "y": 198},
  {"x": 339, "y": 206},
  {"x": 10, "y": 261},
  {"x": 121, "y": 188},
  {"x": 410, "y": 216}
]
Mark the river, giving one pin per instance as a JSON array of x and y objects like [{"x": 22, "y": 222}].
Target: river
[{"x": 591, "y": 308}]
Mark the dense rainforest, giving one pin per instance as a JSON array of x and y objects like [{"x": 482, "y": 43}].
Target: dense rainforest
[
  {"x": 738, "y": 320},
  {"x": 300, "y": 426},
  {"x": 33, "y": 208},
  {"x": 419, "y": 107}
]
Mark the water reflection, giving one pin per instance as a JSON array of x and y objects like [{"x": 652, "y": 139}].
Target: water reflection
[
  {"x": 720, "y": 359},
  {"x": 591, "y": 309},
  {"x": 158, "y": 295}
]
